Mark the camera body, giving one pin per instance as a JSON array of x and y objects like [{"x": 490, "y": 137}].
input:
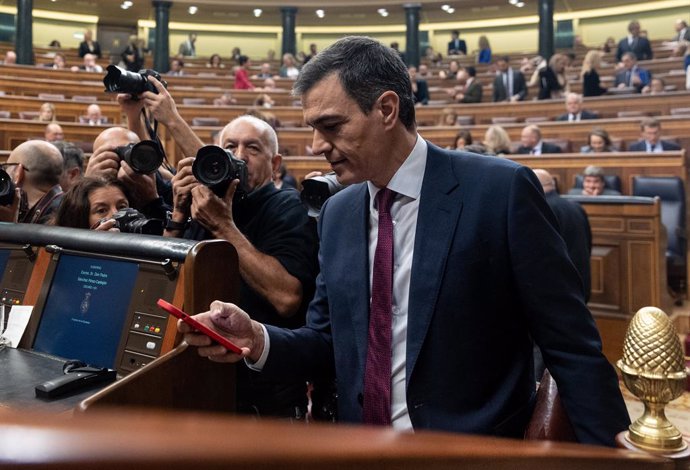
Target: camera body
[
  {"x": 316, "y": 190},
  {"x": 216, "y": 167},
  {"x": 144, "y": 157},
  {"x": 119, "y": 80},
  {"x": 132, "y": 221},
  {"x": 6, "y": 189}
]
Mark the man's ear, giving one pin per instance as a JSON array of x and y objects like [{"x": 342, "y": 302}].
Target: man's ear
[
  {"x": 389, "y": 104},
  {"x": 19, "y": 175},
  {"x": 276, "y": 161}
]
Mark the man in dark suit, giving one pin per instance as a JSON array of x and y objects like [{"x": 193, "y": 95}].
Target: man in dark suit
[
  {"x": 682, "y": 31},
  {"x": 651, "y": 141},
  {"x": 472, "y": 89},
  {"x": 574, "y": 111},
  {"x": 89, "y": 46},
  {"x": 532, "y": 143},
  {"x": 509, "y": 84},
  {"x": 462, "y": 263},
  {"x": 638, "y": 45},
  {"x": 632, "y": 75},
  {"x": 456, "y": 46}
]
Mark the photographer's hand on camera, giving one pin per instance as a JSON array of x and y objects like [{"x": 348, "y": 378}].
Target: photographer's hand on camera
[
  {"x": 104, "y": 163},
  {"x": 131, "y": 107},
  {"x": 143, "y": 187},
  {"x": 214, "y": 213},
  {"x": 182, "y": 184},
  {"x": 10, "y": 213},
  {"x": 107, "y": 225}
]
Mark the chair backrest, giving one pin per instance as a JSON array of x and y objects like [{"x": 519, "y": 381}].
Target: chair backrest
[
  {"x": 205, "y": 121},
  {"x": 564, "y": 144},
  {"x": 464, "y": 120},
  {"x": 5, "y": 114},
  {"x": 677, "y": 111},
  {"x": 85, "y": 120},
  {"x": 28, "y": 115},
  {"x": 610, "y": 182},
  {"x": 671, "y": 191},
  {"x": 504, "y": 120},
  {"x": 549, "y": 420},
  {"x": 51, "y": 96},
  {"x": 535, "y": 119},
  {"x": 193, "y": 101},
  {"x": 628, "y": 114},
  {"x": 85, "y": 98}
]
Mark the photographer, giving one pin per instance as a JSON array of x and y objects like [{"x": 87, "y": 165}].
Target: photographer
[
  {"x": 269, "y": 228},
  {"x": 91, "y": 204}
]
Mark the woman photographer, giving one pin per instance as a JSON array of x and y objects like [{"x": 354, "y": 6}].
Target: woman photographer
[{"x": 91, "y": 203}]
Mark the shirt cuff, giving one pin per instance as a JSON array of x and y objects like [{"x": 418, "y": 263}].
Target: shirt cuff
[{"x": 261, "y": 362}]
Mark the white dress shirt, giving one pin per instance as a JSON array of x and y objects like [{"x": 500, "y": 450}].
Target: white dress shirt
[{"x": 407, "y": 182}]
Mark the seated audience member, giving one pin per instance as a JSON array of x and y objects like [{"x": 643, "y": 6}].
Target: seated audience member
[
  {"x": 573, "y": 226},
  {"x": 265, "y": 71},
  {"x": 53, "y": 132},
  {"x": 632, "y": 76},
  {"x": 532, "y": 143},
  {"x": 497, "y": 141},
  {"x": 225, "y": 99},
  {"x": 509, "y": 84},
  {"x": 91, "y": 204},
  {"x": 472, "y": 90},
  {"x": 89, "y": 65},
  {"x": 552, "y": 80},
  {"x": 598, "y": 141},
  {"x": 656, "y": 87},
  {"x": 94, "y": 115},
  {"x": 176, "y": 68},
  {"x": 594, "y": 184},
  {"x": 269, "y": 84},
  {"x": 46, "y": 113},
  {"x": 449, "y": 117},
  {"x": 420, "y": 89},
  {"x": 73, "y": 164},
  {"x": 651, "y": 141},
  {"x": 423, "y": 72},
  {"x": 59, "y": 62},
  {"x": 35, "y": 167},
  {"x": 574, "y": 111},
  {"x": 462, "y": 139},
  {"x": 289, "y": 69},
  {"x": 609, "y": 45},
  {"x": 484, "y": 55},
  {"x": 313, "y": 50},
  {"x": 452, "y": 71},
  {"x": 89, "y": 46},
  {"x": 242, "y": 81},
  {"x": 10, "y": 58},
  {"x": 264, "y": 101},
  {"x": 591, "y": 83},
  {"x": 283, "y": 179},
  {"x": 215, "y": 62},
  {"x": 55, "y": 43},
  {"x": 635, "y": 43}
]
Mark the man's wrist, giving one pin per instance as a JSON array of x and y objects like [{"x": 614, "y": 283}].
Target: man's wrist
[{"x": 175, "y": 223}]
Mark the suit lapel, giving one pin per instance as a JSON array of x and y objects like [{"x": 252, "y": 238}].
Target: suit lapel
[
  {"x": 439, "y": 210},
  {"x": 355, "y": 274}
]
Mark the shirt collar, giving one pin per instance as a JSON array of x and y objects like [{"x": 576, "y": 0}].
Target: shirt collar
[{"x": 408, "y": 179}]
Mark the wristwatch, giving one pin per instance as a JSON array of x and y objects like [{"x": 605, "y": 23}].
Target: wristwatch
[{"x": 172, "y": 225}]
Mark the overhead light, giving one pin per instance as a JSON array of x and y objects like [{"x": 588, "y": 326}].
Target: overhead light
[
  {"x": 383, "y": 12},
  {"x": 126, "y": 4},
  {"x": 445, "y": 7},
  {"x": 192, "y": 10},
  {"x": 320, "y": 13},
  {"x": 450, "y": 10},
  {"x": 257, "y": 12},
  {"x": 513, "y": 2},
  {"x": 520, "y": 4}
]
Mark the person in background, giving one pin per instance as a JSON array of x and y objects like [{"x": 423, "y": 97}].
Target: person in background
[
  {"x": 53, "y": 132},
  {"x": 598, "y": 141},
  {"x": 472, "y": 90},
  {"x": 89, "y": 65},
  {"x": 94, "y": 115},
  {"x": 91, "y": 204},
  {"x": 59, "y": 62},
  {"x": 449, "y": 117},
  {"x": 73, "y": 164},
  {"x": 452, "y": 72},
  {"x": 635, "y": 43},
  {"x": 497, "y": 141},
  {"x": 651, "y": 141},
  {"x": 462, "y": 139},
  {"x": 312, "y": 53},
  {"x": 632, "y": 75},
  {"x": 242, "y": 81},
  {"x": 456, "y": 46},
  {"x": 89, "y": 45},
  {"x": 215, "y": 62},
  {"x": 176, "y": 67},
  {"x": 265, "y": 71},
  {"x": 46, "y": 113},
  {"x": 420, "y": 88},
  {"x": 55, "y": 43},
  {"x": 594, "y": 184},
  {"x": 133, "y": 55},
  {"x": 552, "y": 80},
  {"x": 509, "y": 84},
  {"x": 533, "y": 144},
  {"x": 188, "y": 46},
  {"x": 656, "y": 87},
  {"x": 574, "y": 111},
  {"x": 10, "y": 58},
  {"x": 484, "y": 56},
  {"x": 289, "y": 69},
  {"x": 591, "y": 83}
]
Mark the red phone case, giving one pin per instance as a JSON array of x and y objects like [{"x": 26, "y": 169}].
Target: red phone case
[{"x": 170, "y": 308}]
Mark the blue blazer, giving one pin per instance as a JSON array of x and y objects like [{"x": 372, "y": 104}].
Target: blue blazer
[{"x": 489, "y": 273}]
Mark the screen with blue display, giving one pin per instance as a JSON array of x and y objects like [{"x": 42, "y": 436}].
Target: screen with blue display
[
  {"x": 4, "y": 256},
  {"x": 86, "y": 308}
]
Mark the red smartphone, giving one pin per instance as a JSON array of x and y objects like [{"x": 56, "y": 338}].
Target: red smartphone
[{"x": 171, "y": 309}]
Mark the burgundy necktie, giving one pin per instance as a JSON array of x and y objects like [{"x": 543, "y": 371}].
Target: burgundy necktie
[{"x": 377, "y": 372}]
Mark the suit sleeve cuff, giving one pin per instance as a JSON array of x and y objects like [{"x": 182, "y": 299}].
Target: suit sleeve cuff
[{"x": 261, "y": 362}]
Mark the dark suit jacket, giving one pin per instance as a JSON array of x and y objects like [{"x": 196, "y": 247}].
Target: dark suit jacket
[
  {"x": 519, "y": 87},
  {"x": 461, "y": 46},
  {"x": 640, "y": 47},
  {"x": 489, "y": 272},
  {"x": 422, "y": 94},
  {"x": 584, "y": 114},
  {"x": 473, "y": 93},
  {"x": 577, "y": 234},
  {"x": 84, "y": 49},
  {"x": 641, "y": 146},
  {"x": 644, "y": 74},
  {"x": 546, "y": 147}
]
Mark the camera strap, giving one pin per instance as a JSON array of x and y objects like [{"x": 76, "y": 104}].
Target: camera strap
[{"x": 153, "y": 135}]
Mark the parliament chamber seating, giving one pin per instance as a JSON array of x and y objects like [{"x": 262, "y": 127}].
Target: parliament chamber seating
[{"x": 671, "y": 191}]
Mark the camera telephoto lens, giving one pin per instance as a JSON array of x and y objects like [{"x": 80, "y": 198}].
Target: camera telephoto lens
[
  {"x": 216, "y": 167},
  {"x": 119, "y": 80},
  {"x": 6, "y": 189}
]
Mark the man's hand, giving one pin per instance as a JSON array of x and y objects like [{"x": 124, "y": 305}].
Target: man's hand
[
  {"x": 214, "y": 213},
  {"x": 182, "y": 184},
  {"x": 104, "y": 163},
  {"x": 143, "y": 187},
  {"x": 161, "y": 105},
  {"x": 233, "y": 323},
  {"x": 11, "y": 213}
]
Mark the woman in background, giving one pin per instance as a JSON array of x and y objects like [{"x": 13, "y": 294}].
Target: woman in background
[
  {"x": 47, "y": 113},
  {"x": 289, "y": 69},
  {"x": 484, "y": 56},
  {"x": 462, "y": 139},
  {"x": 215, "y": 62},
  {"x": 497, "y": 141},
  {"x": 598, "y": 141},
  {"x": 553, "y": 83},
  {"x": 242, "y": 81},
  {"x": 591, "y": 84},
  {"x": 91, "y": 203}
]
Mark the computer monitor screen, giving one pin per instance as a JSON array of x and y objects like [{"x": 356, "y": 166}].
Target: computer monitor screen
[
  {"x": 4, "y": 256},
  {"x": 86, "y": 308}
]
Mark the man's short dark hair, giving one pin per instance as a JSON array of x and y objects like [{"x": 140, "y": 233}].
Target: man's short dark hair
[
  {"x": 650, "y": 122},
  {"x": 366, "y": 69},
  {"x": 503, "y": 58},
  {"x": 72, "y": 155},
  {"x": 471, "y": 71}
]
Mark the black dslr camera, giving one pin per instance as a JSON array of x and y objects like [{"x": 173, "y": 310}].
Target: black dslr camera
[
  {"x": 119, "y": 80},
  {"x": 132, "y": 221},
  {"x": 216, "y": 167},
  {"x": 144, "y": 157},
  {"x": 6, "y": 189},
  {"x": 316, "y": 190}
]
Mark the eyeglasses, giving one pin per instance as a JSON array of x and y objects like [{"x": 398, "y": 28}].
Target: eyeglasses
[{"x": 4, "y": 166}]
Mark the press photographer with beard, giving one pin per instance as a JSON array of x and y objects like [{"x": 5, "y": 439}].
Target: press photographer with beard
[{"x": 274, "y": 238}]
